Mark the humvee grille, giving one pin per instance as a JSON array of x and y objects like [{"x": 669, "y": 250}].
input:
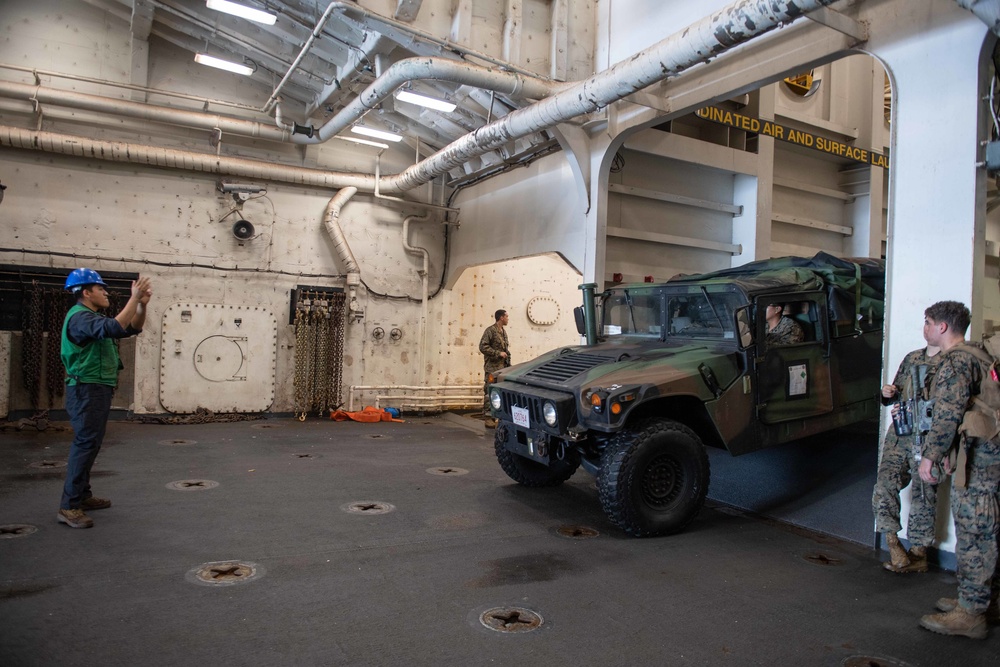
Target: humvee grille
[{"x": 566, "y": 366}]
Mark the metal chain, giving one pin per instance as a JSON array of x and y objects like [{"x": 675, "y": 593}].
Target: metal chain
[
  {"x": 319, "y": 352},
  {"x": 31, "y": 344},
  {"x": 299, "y": 383},
  {"x": 338, "y": 302},
  {"x": 322, "y": 333},
  {"x": 55, "y": 376}
]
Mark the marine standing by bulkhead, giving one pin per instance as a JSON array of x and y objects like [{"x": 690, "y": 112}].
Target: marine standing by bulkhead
[
  {"x": 496, "y": 354},
  {"x": 959, "y": 381},
  {"x": 898, "y": 466}
]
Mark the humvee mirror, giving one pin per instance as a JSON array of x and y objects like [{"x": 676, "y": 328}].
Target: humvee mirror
[
  {"x": 744, "y": 328},
  {"x": 581, "y": 325}
]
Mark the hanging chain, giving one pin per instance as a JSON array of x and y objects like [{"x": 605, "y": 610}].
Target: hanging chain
[
  {"x": 299, "y": 383},
  {"x": 55, "y": 376},
  {"x": 319, "y": 352},
  {"x": 31, "y": 344}
]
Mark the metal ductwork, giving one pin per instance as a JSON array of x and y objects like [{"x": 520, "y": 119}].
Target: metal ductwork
[{"x": 988, "y": 11}]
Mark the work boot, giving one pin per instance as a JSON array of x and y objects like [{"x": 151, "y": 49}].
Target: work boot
[
  {"x": 992, "y": 612},
  {"x": 958, "y": 621},
  {"x": 918, "y": 560},
  {"x": 75, "y": 518},
  {"x": 898, "y": 560},
  {"x": 95, "y": 503}
]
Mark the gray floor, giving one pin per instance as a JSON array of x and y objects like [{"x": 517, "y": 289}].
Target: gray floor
[{"x": 408, "y": 587}]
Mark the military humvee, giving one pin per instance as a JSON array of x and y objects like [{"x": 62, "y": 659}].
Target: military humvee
[{"x": 671, "y": 368}]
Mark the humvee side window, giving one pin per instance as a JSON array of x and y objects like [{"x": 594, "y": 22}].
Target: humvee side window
[
  {"x": 702, "y": 315},
  {"x": 633, "y": 313}
]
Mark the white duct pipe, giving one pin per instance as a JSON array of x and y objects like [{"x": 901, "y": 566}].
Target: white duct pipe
[
  {"x": 735, "y": 24},
  {"x": 422, "y": 334},
  {"x": 364, "y": 16},
  {"x": 988, "y": 12},
  {"x": 114, "y": 151},
  {"x": 331, "y": 221},
  {"x": 417, "y": 69},
  {"x": 695, "y": 44},
  {"x": 409, "y": 387}
]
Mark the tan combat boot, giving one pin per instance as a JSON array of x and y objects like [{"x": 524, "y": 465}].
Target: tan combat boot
[
  {"x": 898, "y": 560},
  {"x": 992, "y": 612},
  {"x": 918, "y": 560},
  {"x": 958, "y": 621}
]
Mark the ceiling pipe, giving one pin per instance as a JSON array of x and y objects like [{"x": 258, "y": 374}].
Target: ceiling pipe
[
  {"x": 417, "y": 69},
  {"x": 732, "y": 26},
  {"x": 988, "y": 11},
  {"x": 695, "y": 44},
  {"x": 363, "y": 15},
  {"x": 400, "y": 73}
]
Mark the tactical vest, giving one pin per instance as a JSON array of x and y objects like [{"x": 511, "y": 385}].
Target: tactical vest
[
  {"x": 95, "y": 362},
  {"x": 982, "y": 415}
]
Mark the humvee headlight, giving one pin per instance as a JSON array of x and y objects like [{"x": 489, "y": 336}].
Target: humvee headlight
[
  {"x": 549, "y": 413},
  {"x": 596, "y": 401},
  {"x": 495, "y": 399}
]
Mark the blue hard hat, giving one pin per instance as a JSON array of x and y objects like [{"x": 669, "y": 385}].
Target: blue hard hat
[{"x": 77, "y": 278}]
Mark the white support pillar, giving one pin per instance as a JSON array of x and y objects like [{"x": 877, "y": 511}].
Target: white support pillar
[
  {"x": 936, "y": 215},
  {"x": 752, "y": 230}
]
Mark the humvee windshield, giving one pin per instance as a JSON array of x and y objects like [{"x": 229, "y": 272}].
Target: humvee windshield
[{"x": 688, "y": 312}]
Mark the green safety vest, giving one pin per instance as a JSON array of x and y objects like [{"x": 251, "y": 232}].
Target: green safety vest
[{"x": 95, "y": 362}]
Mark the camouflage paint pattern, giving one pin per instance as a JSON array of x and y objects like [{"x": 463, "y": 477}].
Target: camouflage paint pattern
[
  {"x": 660, "y": 370},
  {"x": 897, "y": 467},
  {"x": 975, "y": 508}
]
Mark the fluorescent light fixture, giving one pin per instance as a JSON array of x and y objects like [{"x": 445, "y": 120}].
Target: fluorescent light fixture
[
  {"x": 378, "y": 134},
  {"x": 365, "y": 142},
  {"x": 242, "y": 11},
  {"x": 212, "y": 61},
  {"x": 425, "y": 101}
]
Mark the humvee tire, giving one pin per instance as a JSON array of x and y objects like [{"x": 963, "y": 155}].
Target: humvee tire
[
  {"x": 653, "y": 478},
  {"x": 527, "y": 472}
]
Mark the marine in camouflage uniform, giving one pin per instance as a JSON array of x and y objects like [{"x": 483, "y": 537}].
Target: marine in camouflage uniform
[
  {"x": 976, "y": 505},
  {"x": 897, "y": 466},
  {"x": 785, "y": 332},
  {"x": 496, "y": 353}
]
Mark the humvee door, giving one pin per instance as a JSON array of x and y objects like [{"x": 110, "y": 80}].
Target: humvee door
[{"x": 793, "y": 379}]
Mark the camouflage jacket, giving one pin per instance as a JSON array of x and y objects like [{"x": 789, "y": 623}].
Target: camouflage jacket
[
  {"x": 493, "y": 342},
  {"x": 902, "y": 381},
  {"x": 785, "y": 332},
  {"x": 956, "y": 381}
]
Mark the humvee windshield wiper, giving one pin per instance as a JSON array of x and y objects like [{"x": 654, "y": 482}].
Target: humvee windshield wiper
[
  {"x": 631, "y": 315},
  {"x": 712, "y": 306}
]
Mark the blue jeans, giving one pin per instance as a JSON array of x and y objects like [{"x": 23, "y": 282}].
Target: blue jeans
[{"x": 88, "y": 406}]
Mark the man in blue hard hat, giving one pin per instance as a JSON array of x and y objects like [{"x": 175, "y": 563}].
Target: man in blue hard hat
[{"x": 90, "y": 354}]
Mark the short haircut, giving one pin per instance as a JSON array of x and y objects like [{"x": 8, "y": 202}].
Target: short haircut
[
  {"x": 952, "y": 313},
  {"x": 500, "y": 313}
]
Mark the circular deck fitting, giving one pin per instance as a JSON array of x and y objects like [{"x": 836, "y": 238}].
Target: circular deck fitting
[
  {"x": 577, "y": 532},
  {"x": 265, "y": 426},
  {"x": 177, "y": 442},
  {"x": 224, "y": 573},
  {"x": 47, "y": 465},
  {"x": 819, "y": 558},
  {"x": 368, "y": 507},
  {"x": 510, "y": 619},
  {"x": 192, "y": 485},
  {"x": 11, "y": 530},
  {"x": 872, "y": 661},
  {"x": 448, "y": 471}
]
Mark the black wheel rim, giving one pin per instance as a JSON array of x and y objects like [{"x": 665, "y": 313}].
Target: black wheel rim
[{"x": 662, "y": 481}]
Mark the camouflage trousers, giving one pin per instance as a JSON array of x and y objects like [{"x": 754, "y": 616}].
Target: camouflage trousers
[
  {"x": 486, "y": 394},
  {"x": 895, "y": 470},
  {"x": 976, "y": 509}
]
